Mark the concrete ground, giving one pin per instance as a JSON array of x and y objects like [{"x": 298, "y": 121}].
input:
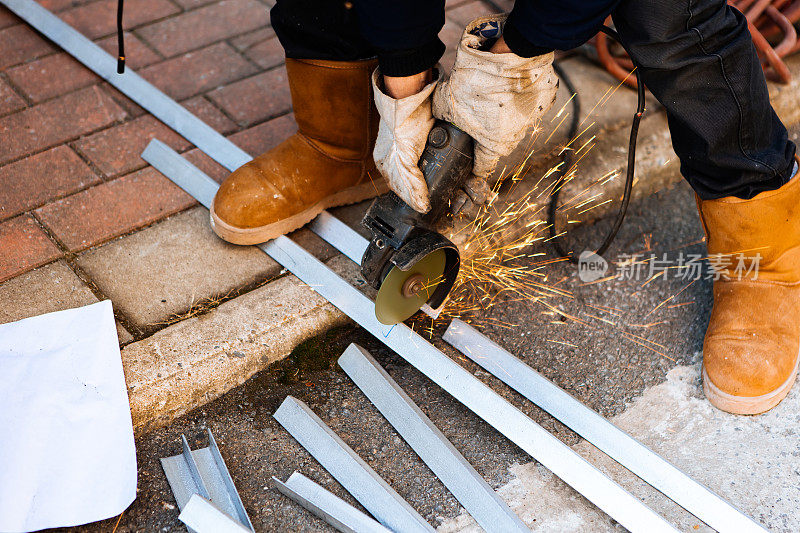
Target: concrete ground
[{"x": 650, "y": 387}]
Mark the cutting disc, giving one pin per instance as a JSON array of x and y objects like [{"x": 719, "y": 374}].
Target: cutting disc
[{"x": 403, "y": 292}]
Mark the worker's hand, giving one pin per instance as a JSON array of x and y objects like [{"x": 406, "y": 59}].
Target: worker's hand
[
  {"x": 495, "y": 96},
  {"x": 406, "y": 120}
]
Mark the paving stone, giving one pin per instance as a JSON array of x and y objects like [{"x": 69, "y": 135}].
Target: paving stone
[
  {"x": 23, "y": 246},
  {"x": 19, "y": 44},
  {"x": 243, "y": 42},
  {"x": 199, "y": 71},
  {"x": 254, "y": 99},
  {"x": 137, "y": 54},
  {"x": 53, "y": 122},
  {"x": 51, "y": 76},
  {"x": 210, "y": 114},
  {"x": 99, "y": 18},
  {"x": 47, "y": 289},
  {"x": 262, "y": 47},
  {"x": 7, "y": 18},
  {"x": 60, "y": 5},
  {"x": 200, "y": 27},
  {"x": 117, "y": 150},
  {"x": 191, "y": 4},
  {"x": 466, "y": 13},
  {"x": 10, "y": 101},
  {"x": 210, "y": 167},
  {"x": 165, "y": 269},
  {"x": 38, "y": 179},
  {"x": 259, "y": 139},
  {"x": 114, "y": 208}
]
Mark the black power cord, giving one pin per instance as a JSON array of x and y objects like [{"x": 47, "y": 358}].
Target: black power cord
[
  {"x": 120, "y": 40},
  {"x": 566, "y": 162}
]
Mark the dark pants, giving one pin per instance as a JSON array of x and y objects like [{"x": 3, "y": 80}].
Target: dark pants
[{"x": 695, "y": 56}]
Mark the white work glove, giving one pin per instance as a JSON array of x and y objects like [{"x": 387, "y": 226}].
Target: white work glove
[
  {"x": 495, "y": 98},
  {"x": 402, "y": 134}
]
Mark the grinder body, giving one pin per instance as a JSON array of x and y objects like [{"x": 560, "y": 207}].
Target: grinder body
[{"x": 402, "y": 238}]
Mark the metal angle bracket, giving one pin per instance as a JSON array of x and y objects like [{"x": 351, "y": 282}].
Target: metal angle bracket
[
  {"x": 202, "y": 516},
  {"x": 350, "y": 470},
  {"x": 203, "y": 472},
  {"x": 326, "y": 505},
  {"x": 457, "y": 474}
]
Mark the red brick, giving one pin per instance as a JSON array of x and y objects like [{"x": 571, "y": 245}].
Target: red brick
[
  {"x": 118, "y": 149},
  {"x": 191, "y": 4},
  {"x": 19, "y": 44},
  {"x": 60, "y": 5},
  {"x": 245, "y": 41},
  {"x": 51, "y": 76},
  {"x": 7, "y": 18},
  {"x": 208, "y": 113},
  {"x": 56, "y": 121},
  {"x": 267, "y": 53},
  {"x": 137, "y": 54},
  {"x": 261, "y": 138},
  {"x": 23, "y": 246},
  {"x": 114, "y": 208},
  {"x": 207, "y": 165},
  {"x": 9, "y": 100},
  {"x": 38, "y": 179},
  {"x": 100, "y": 18},
  {"x": 197, "y": 72},
  {"x": 466, "y": 13},
  {"x": 203, "y": 26},
  {"x": 255, "y": 99}
]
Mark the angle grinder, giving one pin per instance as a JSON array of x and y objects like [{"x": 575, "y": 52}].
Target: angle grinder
[{"x": 408, "y": 261}]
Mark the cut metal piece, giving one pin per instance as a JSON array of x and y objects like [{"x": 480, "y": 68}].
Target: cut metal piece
[
  {"x": 348, "y": 468},
  {"x": 463, "y": 386},
  {"x": 627, "y": 451},
  {"x": 202, "y": 516},
  {"x": 457, "y": 474},
  {"x": 203, "y": 472},
  {"x": 403, "y": 292},
  {"x": 327, "y": 506},
  {"x": 130, "y": 84}
]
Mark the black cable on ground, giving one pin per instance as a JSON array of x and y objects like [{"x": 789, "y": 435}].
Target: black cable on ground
[
  {"x": 120, "y": 40},
  {"x": 566, "y": 162}
]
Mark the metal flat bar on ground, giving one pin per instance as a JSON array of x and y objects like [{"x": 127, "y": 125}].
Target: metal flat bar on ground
[
  {"x": 130, "y": 84},
  {"x": 202, "y": 516},
  {"x": 348, "y": 468},
  {"x": 326, "y": 505},
  {"x": 457, "y": 474},
  {"x": 203, "y": 472},
  {"x": 479, "y": 398},
  {"x": 340, "y": 236},
  {"x": 627, "y": 451}
]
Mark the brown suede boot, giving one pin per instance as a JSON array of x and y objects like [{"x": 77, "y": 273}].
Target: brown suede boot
[
  {"x": 750, "y": 354},
  {"x": 327, "y": 163}
]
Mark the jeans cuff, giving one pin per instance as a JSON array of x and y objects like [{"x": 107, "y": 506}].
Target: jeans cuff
[{"x": 398, "y": 63}]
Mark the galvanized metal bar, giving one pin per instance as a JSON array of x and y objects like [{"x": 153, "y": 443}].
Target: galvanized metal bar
[
  {"x": 340, "y": 236},
  {"x": 627, "y": 451},
  {"x": 193, "y": 470},
  {"x": 348, "y": 468},
  {"x": 327, "y": 506},
  {"x": 202, "y": 516},
  {"x": 130, "y": 84},
  {"x": 457, "y": 474},
  {"x": 479, "y": 398},
  {"x": 233, "y": 494}
]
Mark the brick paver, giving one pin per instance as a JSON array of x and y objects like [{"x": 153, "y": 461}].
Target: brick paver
[
  {"x": 255, "y": 99},
  {"x": 197, "y": 72},
  {"x": 24, "y": 246},
  {"x": 98, "y": 214},
  {"x": 261, "y": 47},
  {"x": 137, "y": 54},
  {"x": 118, "y": 150},
  {"x": 33, "y": 181},
  {"x": 203, "y": 26},
  {"x": 51, "y": 76},
  {"x": 56, "y": 121},
  {"x": 20, "y": 43},
  {"x": 209, "y": 113},
  {"x": 261, "y": 138},
  {"x": 7, "y": 18},
  {"x": 9, "y": 99},
  {"x": 99, "y": 18}
]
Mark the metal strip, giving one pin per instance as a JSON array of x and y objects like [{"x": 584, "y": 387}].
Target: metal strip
[
  {"x": 466, "y": 484},
  {"x": 340, "y": 236},
  {"x": 193, "y": 470},
  {"x": 327, "y": 506},
  {"x": 479, "y": 398},
  {"x": 202, "y": 516},
  {"x": 233, "y": 494},
  {"x": 627, "y": 451},
  {"x": 130, "y": 84},
  {"x": 348, "y": 468}
]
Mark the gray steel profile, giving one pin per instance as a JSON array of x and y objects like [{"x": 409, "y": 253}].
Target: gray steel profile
[
  {"x": 340, "y": 236},
  {"x": 326, "y": 505},
  {"x": 203, "y": 472},
  {"x": 460, "y": 478},
  {"x": 479, "y": 398},
  {"x": 202, "y": 516},
  {"x": 355, "y": 475},
  {"x": 130, "y": 84},
  {"x": 627, "y": 451}
]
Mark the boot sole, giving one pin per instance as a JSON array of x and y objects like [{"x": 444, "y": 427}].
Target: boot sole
[
  {"x": 250, "y": 236},
  {"x": 748, "y": 405}
]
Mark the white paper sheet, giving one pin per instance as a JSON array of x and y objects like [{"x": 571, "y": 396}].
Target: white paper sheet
[{"x": 67, "y": 454}]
